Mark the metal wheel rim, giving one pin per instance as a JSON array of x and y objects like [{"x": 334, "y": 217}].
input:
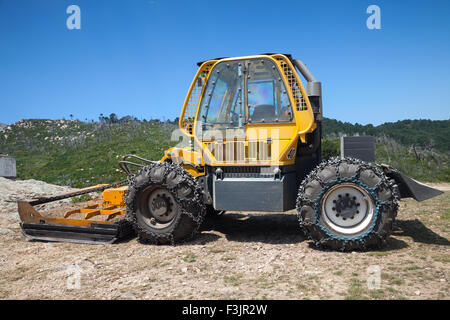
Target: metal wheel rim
[
  {"x": 355, "y": 204},
  {"x": 158, "y": 208}
]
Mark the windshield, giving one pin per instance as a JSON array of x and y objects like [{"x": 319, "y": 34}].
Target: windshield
[
  {"x": 222, "y": 103},
  {"x": 232, "y": 85}
]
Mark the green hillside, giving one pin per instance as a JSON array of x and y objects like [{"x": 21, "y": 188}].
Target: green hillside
[
  {"x": 80, "y": 153},
  {"x": 429, "y": 134}
]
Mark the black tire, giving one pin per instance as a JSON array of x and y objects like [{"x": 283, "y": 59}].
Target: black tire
[
  {"x": 165, "y": 204},
  {"x": 347, "y": 204}
]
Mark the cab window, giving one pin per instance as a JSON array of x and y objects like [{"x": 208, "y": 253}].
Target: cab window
[
  {"x": 268, "y": 100},
  {"x": 222, "y": 103}
]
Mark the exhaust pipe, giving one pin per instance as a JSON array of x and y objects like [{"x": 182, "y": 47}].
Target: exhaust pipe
[{"x": 313, "y": 89}]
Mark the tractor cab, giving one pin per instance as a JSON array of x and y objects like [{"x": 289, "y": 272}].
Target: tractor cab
[
  {"x": 243, "y": 91},
  {"x": 247, "y": 111}
]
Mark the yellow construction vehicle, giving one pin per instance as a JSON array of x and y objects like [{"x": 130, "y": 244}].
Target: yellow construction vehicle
[{"x": 252, "y": 143}]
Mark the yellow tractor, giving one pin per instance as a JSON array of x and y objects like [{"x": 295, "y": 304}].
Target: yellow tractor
[{"x": 251, "y": 142}]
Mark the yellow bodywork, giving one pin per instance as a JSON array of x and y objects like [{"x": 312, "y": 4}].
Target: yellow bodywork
[{"x": 254, "y": 147}]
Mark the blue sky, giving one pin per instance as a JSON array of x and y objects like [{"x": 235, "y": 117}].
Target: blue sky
[{"x": 138, "y": 57}]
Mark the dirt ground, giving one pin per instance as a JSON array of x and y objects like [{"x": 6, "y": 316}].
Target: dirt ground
[{"x": 237, "y": 256}]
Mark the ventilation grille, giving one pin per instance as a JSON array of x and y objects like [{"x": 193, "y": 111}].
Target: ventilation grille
[
  {"x": 290, "y": 74},
  {"x": 194, "y": 97},
  {"x": 247, "y": 172}
]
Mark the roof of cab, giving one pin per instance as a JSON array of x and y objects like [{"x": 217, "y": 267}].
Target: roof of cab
[{"x": 289, "y": 56}]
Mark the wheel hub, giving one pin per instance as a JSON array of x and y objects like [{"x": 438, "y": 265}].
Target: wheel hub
[
  {"x": 161, "y": 207},
  {"x": 347, "y": 208}
]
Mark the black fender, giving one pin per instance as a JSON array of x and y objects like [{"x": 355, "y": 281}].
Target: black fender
[{"x": 410, "y": 188}]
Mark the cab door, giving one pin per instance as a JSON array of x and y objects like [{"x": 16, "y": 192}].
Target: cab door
[{"x": 270, "y": 120}]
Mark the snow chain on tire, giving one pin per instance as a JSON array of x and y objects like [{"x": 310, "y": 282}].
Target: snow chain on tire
[
  {"x": 185, "y": 191},
  {"x": 383, "y": 192}
]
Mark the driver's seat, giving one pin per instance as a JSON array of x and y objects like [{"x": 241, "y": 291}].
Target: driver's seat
[{"x": 263, "y": 112}]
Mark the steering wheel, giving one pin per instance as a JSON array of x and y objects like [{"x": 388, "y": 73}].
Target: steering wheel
[
  {"x": 284, "y": 113},
  {"x": 234, "y": 117}
]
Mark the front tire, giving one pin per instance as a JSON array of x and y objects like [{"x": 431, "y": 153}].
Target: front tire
[
  {"x": 165, "y": 204},
  {"x": 347, "y": 204}
]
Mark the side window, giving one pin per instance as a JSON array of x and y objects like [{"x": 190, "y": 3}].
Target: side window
[
  {"x": 218, "y": 94},
  {"x": 222, "y": 105},
  {"x": 268, "y": 100}
]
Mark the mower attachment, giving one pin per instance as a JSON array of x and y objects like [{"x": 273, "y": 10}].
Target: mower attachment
[{"x": 38, "y": 227}]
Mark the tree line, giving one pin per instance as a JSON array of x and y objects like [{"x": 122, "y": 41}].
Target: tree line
[{"x": 428, "y": 134}]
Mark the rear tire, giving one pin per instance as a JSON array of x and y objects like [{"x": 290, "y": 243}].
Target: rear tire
[
  {"x": 165, "y": 204},
  {"x": 347, "y": 204}
]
